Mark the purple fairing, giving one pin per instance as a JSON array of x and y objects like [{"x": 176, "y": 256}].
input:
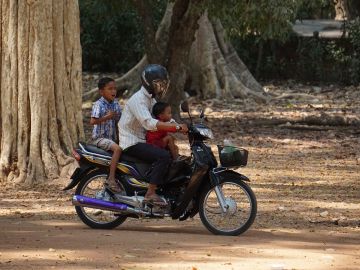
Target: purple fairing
[{"x": 134, "y": 173}]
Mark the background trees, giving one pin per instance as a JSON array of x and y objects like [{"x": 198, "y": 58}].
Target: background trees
[
  {"x": 197, "y": 52},
  {"x": 211, "y": 49},
  {"x": 257, "y": 32}
]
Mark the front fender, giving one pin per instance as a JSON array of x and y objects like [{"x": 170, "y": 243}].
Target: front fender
[{"x": 217, "y": 178}]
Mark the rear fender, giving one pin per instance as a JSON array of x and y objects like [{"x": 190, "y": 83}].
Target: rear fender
[{"x": 77, "y": 175}]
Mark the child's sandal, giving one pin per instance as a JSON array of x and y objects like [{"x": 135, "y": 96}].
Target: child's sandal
[{"x": 113, "y": 187}]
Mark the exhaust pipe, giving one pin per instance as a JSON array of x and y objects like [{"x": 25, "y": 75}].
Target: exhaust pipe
[{"x": 79, "y": 200}]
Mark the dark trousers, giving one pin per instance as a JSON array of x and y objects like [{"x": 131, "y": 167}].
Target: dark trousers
[{"x": 158, "y": 157}]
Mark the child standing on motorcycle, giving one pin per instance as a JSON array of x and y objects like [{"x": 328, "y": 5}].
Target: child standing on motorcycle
[
  {"x": 105, "y": 115},
  {"x": 160, "y": 138}
]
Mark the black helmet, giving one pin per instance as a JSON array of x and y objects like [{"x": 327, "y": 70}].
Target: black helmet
[{"x": 155, "y": 79}]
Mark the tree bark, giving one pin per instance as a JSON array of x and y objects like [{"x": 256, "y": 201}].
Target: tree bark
[
  {"x": 184, "y": 24},
  {"x": 341, "y": 10},
  {"x": 346, "y": 9},
  {"x": 143, "y": 8},
  {"x": 222, "y": 73},
  {"x": 40, "y": 88}
]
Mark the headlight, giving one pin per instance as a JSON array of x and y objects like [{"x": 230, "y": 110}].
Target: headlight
[{"x": 206, "y": 132}]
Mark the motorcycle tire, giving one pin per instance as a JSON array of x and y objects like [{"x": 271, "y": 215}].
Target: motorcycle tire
[
  {"x": 233, "y": 208},
  {"x": 81, "y": 212}
]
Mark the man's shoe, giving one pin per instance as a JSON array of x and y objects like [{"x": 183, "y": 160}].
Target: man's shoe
[
  {"x": 183, "y": 158},
  {"x": 155, "y": 200}
]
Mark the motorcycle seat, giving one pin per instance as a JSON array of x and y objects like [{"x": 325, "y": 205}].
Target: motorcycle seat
[
  {"x": 96, "y": 150},
  {"x": 143, "y": 168}
]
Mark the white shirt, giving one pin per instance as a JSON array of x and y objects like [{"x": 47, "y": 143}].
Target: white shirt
[{"x": 136, "y": 119}]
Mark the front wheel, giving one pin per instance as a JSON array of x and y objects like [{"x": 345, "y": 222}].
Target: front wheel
[
  {"x": 92, "y": 185},
  {"x": 240, "y": 204}
]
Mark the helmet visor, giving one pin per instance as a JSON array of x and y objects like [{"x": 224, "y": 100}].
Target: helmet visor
[{"x": 161, "y": 87}]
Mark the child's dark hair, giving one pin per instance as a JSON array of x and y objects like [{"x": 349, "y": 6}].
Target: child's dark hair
[
  {"x": 159, "y": 108},
  {"x": 104, "y": 81}
]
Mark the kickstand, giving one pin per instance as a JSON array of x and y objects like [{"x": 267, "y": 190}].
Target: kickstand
[
  {"x": 112, "y": 194},
  {"x": 184, "y": 216}
]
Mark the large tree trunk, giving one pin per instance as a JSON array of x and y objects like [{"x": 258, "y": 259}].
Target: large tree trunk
[
  {"x": 341, "y": 9},
  {"x": 217, "y": 70},
  {"x": 184, "y": 24},
  {"x": 40, "y": 88}
]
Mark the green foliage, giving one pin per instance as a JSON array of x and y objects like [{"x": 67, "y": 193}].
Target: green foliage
[
  {"x": 112, "y": 34},
  {"x": 285, "y": 55},
  {"x": 110, "y": 39},
  {"x": 354, "y": 36},
  {"x": 304, "y": 59},
  {"x": 311, "y": 54},
  {"x": 267, "y": 19},
  {"x": 315, "y": 9}
]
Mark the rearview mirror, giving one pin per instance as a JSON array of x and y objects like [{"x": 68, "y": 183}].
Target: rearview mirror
[
  {"x": 184, "y": 106},
  {"x": 202, "y": 114}
]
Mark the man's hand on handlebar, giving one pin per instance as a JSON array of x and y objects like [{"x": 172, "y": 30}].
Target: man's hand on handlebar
[{"x": 183, "y": 128}]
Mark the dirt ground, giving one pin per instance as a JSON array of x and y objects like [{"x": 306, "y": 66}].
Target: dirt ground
[{"x": 306, "y": 179}]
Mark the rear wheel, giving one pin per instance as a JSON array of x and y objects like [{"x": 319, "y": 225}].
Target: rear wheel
[
  {"x": 241, "y": 208},
  {"x": 92, "y": 185}
]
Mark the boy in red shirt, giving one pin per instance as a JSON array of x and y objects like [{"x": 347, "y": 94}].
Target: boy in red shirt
[{"x": 161, "y": 138}]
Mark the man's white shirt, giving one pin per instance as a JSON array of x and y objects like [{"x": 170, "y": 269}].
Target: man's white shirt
[{"x": 136, "y": 119}]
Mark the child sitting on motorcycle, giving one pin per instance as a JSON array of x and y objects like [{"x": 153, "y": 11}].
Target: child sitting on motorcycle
[
  {"x": 105, "y": 115},
  {"x": 160, "y": 138}
]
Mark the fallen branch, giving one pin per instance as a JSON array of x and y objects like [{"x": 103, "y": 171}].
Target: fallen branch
[
  {"x": 323, "y": 120},
  {"x": 305, "y": 127},
  {"x": 329, "y": 120},
  {"x": 295, "y": 95}
]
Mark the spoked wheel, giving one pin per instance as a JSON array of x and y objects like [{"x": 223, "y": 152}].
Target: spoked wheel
[
  {"x": 240, "y": 204},
  {"x": 93, "y": 186}
]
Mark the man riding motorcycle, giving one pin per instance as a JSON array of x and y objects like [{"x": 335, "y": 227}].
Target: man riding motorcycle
[
  {"x": 203, "y": 185},
  {"x": 137, "y": 119}
]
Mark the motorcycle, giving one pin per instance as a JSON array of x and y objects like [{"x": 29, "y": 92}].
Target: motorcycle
[{"x": 225, "y": 202}]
